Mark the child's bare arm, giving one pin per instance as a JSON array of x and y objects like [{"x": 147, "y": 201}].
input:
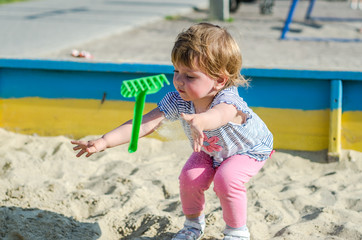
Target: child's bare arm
[
  {"x": 119, "y": 135},
  {"x": 214, "y": 118}
]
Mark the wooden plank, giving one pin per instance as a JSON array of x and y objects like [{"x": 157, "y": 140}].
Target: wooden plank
[{"x": 335, "y": 121}]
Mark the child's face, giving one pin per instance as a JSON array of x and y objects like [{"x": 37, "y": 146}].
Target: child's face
[{"x": 193, "y": 84}]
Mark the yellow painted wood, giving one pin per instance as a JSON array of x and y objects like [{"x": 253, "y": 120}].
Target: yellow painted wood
[
  {"x": 72, "y": 117},
  {"x": 297, "y": 129},
  {"x": 292, "y": 129},
  {"x": 352, "y": 130},
  {"x": 335, "y": 127}
]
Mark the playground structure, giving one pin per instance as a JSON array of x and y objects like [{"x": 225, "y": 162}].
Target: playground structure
[
  {"x": 305, "y": 110},
  {"x": 308, "y": 17}
]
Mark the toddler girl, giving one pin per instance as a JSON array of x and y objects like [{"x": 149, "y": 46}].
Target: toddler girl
[{"x": 230, "y": 142}]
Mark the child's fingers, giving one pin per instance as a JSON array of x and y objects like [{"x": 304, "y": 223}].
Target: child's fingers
[
  {"x": 80, "y": 153},
  {"x": 89, "y": 154},
  {"x": 84, "y": 147},
  {"x": 198, "y": 142},
  {"x": 77, "y": 142},
  {"x": 197, "y": 148},
  {"x": 77, "y": 148}
]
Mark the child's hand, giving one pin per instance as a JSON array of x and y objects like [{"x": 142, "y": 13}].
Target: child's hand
[
  {"x": 196, "y": 130},
  {"x": 89, "y": 147}
]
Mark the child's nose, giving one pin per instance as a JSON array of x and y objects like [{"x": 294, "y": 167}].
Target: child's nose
[{"x": 178, "y": 80}]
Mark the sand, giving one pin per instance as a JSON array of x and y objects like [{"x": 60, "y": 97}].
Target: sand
[{"x": 48, "y": 193}]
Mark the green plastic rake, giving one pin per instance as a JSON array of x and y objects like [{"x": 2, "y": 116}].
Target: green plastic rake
[{"x": 139, "y": 88}]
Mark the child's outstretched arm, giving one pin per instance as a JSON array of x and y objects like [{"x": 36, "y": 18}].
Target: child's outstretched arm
[
  {"x": 213, "y": 118},
  {"x": 119, "y": 135}
]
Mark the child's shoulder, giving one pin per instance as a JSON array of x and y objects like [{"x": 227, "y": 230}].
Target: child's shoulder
[
  {"x": 229, "y": 93},
  {"x": 230, "y": 96}
]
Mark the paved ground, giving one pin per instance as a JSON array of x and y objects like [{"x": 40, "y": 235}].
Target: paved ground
[
  {"x": 109, "y": 39},
  {"x": 36, "y": 27}
]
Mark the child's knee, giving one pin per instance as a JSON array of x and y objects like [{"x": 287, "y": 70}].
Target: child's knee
[
  {"x": 228, "y": 186},
  {"x": 195, "y": 180},
  {"x": 221, "y": 186}
]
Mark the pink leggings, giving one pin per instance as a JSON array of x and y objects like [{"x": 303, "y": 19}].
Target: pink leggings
[{"x": 229, "y": 179}]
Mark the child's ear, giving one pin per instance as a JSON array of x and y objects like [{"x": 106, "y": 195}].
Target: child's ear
[{"x": 220, "y": 82}]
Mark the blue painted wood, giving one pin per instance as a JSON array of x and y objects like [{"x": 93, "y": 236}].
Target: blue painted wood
[
  {"x": 271, "y": 88},
  {"x": 263, "y": 92},
  {"x": 287, "y": 94},
  {"x": 168, "y": 69},
  {"x": 19, "y": 83},
  {"x": 336, "y": 94},
  {"x": 293, "y": 74},
  {"x": 84, "y": 66},
  {"x": 352, "y": 96}
]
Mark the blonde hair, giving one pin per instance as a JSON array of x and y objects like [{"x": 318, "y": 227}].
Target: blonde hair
[{"x": 212, "y": 49}]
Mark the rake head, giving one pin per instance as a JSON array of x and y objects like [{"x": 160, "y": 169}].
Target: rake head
[{"x": 131, "y": 88}]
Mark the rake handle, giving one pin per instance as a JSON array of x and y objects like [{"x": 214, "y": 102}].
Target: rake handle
[{"x": 137, "y": 120}]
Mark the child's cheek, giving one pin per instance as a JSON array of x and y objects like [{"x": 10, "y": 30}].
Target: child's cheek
[{"x": 194, "y": 92}]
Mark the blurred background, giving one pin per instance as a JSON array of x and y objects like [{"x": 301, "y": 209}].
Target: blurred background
[{"x": 144, "y": 31}]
